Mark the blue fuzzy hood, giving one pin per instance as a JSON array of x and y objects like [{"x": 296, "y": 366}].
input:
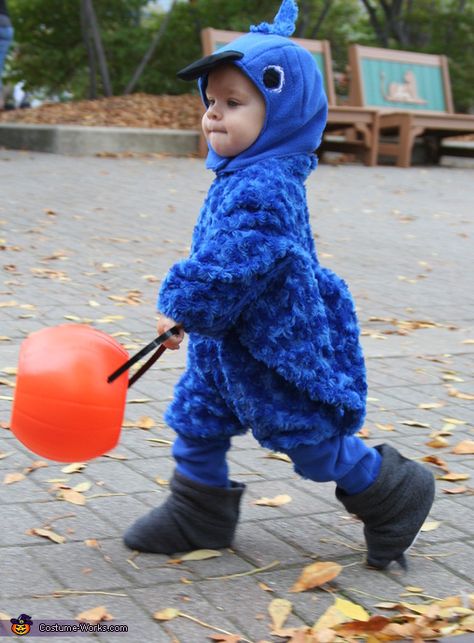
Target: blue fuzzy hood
[{"x": 288, "y": 78}]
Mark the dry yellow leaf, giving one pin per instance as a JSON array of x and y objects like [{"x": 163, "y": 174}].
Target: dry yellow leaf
[
  {"x": 92, "y": 542},
  {"x": 47, "y": 533},
  {"x": 431, "y": 405},
  {"x": 10, "y": 478},
  {"x": 430, "y": 525},
  {"x": 82, "y": 486},
  {"x": 413, "y": 589},
  {"x": 331, "y": 617},
  {"x": 455, "y": 490},
  {"x": 453, "y": 392},
  {"x": 277, "y": 501},
  {"x": 455, "y": 477},
  {"x": 279, "y": 610},
  {"x": 201, "y": 554},
  {"x": 167, "y": 614},
  {"x": 351, "y": 610},
  {"x": 74, "y": 467},
  {"x": 10, "y": 370},
  {"x": 315, "y": 575},
  {"x": 69, "y": 495},
  {"x": 422, "y": 425},
  {"x": 265, "y": 587},
  {"x": 94, "y": 615},
  {"x": 438, "y": 443},
  {"x": 385, "y": 427},
  {"x": 466, "y": 447},
  {"x": 278, "y": 456}
]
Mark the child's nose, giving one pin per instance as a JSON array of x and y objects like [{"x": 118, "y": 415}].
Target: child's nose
[{"x": 213, "y": 112}]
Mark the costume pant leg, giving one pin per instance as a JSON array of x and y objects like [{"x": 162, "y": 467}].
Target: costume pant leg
[
  {"x": 344, "y": 459},
  {"x": 202, "y": 460}
]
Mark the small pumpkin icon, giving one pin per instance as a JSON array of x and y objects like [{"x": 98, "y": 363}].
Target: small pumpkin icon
[{"x": 21, "y": 625}]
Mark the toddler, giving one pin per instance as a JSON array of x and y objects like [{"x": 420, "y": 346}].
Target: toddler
[{"x": 273, "y": 336}]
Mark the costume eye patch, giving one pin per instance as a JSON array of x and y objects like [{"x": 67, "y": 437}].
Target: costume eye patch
[{"x": 274, "y": 78}]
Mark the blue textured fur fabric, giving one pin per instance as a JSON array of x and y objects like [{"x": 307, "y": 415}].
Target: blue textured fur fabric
[{"x": 274, "y": 340}]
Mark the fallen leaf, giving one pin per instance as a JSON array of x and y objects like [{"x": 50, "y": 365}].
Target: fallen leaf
[
  {"x": 431, "y": 405},
  {"x": 278, "y": 456},
  {"x": 385, "y": 427},
  {"x": 277, "y": 501},
  {"x": 74, "y": 467},
  {"x": 82, "y": 486},
  {"x": 167, "y": 614},
  {"x": 69, "y": 495},
  {"x": 10, "y": 478},
  {"x": 466, "y": 447},
  {"x": 92, "y": 542},
  {"x": 430, "y": 525},
  {"x": 10, "y": 370},
  {"x": 413, "y": 589},
  {"x": 225, "y": 638},
  {"x": 421, "y": 425},
  {"x": 94, "y": 615},
  {"x": 38, "y": 464},
  {"x": 438, "y": 443},
  {"x": 279, "y": 610},
  {"x": 455, "y": 490},
  {"x": 433, "y": 459},
  {"x": 375, "y": 623},
  {"x": 455, "y": 477},
  {"x": 331, "y": 617},
  {"x": 351, "y": 610},
  {"x": 315, "y": 575},
  {"x": 47, "y": 533},
  {"x": 5, "y": 454},
  {"x": 265, "y": 587},
  {"x": 453, "y": 392},
  {"x": 386, "y": 605},
  {"x": 201, "y": 554}
]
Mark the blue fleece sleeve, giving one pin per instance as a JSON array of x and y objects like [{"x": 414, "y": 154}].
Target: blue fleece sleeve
[{"x": 207, "y": 292}]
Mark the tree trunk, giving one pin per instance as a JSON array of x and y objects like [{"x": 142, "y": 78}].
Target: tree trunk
[
  {"x": 380, "y": 31},
  {"x": 322, "y": 16},
  {"x": 149, "y": 54},
  {"x": 91, "y": 20},
  {"x": 90, "y": 53}
]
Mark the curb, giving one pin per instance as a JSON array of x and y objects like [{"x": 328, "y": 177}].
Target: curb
[{"x": 87, "y": 141}]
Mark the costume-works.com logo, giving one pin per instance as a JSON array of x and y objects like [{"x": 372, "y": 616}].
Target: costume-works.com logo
[{"x": 21, "y": 625}]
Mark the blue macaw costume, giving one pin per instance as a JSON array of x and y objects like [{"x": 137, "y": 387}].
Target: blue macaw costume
[
  {"x": 273, "y": 336},
  {"x": 274, "y": 341}
]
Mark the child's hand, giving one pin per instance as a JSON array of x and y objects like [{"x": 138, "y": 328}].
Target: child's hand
[{"x": 165, "y": 323}]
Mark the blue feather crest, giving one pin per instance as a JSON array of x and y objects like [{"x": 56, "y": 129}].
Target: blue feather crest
[{"x": 284, "y": 22}]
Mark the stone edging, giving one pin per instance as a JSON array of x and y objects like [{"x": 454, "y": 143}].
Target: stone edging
[{"x": 81, "y": 140}]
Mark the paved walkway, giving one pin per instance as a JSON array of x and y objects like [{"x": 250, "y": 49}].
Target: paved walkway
[{"x": 89, "y": 239}]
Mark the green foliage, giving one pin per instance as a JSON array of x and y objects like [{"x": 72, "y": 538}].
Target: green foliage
[{"x": 50, "y": 52}]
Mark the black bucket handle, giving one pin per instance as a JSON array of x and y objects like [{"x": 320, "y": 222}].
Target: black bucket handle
[{"x": 144, "y": 351}]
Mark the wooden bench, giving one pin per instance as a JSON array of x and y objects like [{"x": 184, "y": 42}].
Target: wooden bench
[
  {"x": 349, "y": 129},
  {"x": 413, "y": 93}
]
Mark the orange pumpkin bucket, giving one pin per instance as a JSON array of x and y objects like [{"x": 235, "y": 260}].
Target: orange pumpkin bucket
[{"x": 71, "y": 391}]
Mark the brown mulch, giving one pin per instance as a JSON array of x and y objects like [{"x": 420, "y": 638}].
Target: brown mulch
[{"x": 136, "y": 110}]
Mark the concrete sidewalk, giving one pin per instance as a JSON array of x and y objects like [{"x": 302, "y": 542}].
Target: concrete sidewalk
[{"x": 88, "y": 239}]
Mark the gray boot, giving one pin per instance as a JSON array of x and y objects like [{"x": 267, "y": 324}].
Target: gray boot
[
  {"x": 195, "y": 516},
  {"x": 393, "y": 508}
]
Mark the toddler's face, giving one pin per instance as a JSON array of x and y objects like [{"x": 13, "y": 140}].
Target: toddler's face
[{"x": 236, "y": 112}]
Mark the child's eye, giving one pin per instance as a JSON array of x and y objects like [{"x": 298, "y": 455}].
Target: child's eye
[
  {"x": 210, "y": 101},
  {"x": 232, "y": 103}
]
